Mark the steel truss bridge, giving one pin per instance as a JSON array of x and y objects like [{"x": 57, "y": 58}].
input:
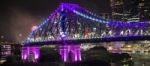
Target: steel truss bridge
[{"x": 72, "y": 24}]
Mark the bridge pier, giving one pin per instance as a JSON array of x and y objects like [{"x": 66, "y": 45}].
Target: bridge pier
[
  {"x": 30, "y": 53},
  {"x": 70, "y": 53}
]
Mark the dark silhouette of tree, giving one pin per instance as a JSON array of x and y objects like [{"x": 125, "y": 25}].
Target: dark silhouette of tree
[
  {"x": 102, "y": 48},
  {"x": 9, "y": 59},
  {"x": 115, "y": 57},
  {"x": 98, "y": 53},
  {"x": 125, "y": 56},
  {"x": 96, "y": 63},
  {"x": 121, "y": 59},
  {"x": 49, "y": 55}
]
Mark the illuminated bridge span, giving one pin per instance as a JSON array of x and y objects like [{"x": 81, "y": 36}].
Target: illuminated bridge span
[
  {"x": 79, "y": 23},
  {"x": 70, "y": 23}
]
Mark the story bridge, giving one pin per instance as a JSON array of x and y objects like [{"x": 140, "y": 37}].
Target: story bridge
[{"x": 70, "y": 25}]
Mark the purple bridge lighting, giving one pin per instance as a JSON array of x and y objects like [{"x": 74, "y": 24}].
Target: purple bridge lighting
[
  {"x": 72, "y": 22},
  {"x": 30, "y": 52},
  {"x": 73, "y": 50}
]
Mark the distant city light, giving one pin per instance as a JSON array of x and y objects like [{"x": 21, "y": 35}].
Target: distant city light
[
  {"x": 2, "y": 37},
  {"x": 110, "y": 48},
  {"x": 129, "y": 46},
  {"x": 20, "y": 35}
]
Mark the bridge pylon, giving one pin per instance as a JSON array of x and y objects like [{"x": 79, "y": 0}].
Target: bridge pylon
[{"x": 30, "y": 53}]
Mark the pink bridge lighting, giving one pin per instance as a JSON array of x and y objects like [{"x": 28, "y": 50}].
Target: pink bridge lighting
[
  {"x": 31, "y": 53},
  {"x": 70, "y": 53}
]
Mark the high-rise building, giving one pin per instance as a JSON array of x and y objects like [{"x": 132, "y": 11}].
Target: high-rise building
[
  {"x": 130, "y": 10},
  {"x": 144, "y": 10},
  {"x": 117, "y": 10}
]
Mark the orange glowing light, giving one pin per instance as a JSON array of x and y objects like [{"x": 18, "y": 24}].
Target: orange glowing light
[
  {"x": 20, "y": 35},
  {"x": 34, "y": 27}
]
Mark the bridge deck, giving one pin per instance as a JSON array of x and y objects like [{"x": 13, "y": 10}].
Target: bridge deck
[{"x": 94, "y": 40}]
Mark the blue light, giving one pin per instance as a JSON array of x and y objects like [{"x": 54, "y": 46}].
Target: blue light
[{"x": 88, "y": 15}]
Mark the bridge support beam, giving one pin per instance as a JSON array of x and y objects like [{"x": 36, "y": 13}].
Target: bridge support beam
[
  {"x": 30, "y": 53},
  {"x": 70, "y": 53}
]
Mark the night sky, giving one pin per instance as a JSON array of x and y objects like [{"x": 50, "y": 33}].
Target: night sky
[{"x": 18, "y": 16}]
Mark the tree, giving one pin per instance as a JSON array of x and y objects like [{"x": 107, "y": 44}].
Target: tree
[
  {"x": 115, "y": 57},
  {"x": 96, "y": 63},
  {"x": 125, "y": 56},
  {"x": 121, "y": 59},
  {"x": 98, "y": 53},
  {"x": 49, "y": 55}
]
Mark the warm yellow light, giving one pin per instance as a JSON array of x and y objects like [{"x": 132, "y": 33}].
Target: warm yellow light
[
  {"x": 129, "y": 46},
  {"x": 110, "y": 48}
]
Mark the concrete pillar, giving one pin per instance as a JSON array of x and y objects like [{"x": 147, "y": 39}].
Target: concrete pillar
[
  {"x": 29, "y": 51},
  {"x": 73, "y": 49}
]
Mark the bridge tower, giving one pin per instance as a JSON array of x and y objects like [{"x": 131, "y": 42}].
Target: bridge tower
[
  {"x": 30, "y": 53},
  {"x": 68, "y": 52}
]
